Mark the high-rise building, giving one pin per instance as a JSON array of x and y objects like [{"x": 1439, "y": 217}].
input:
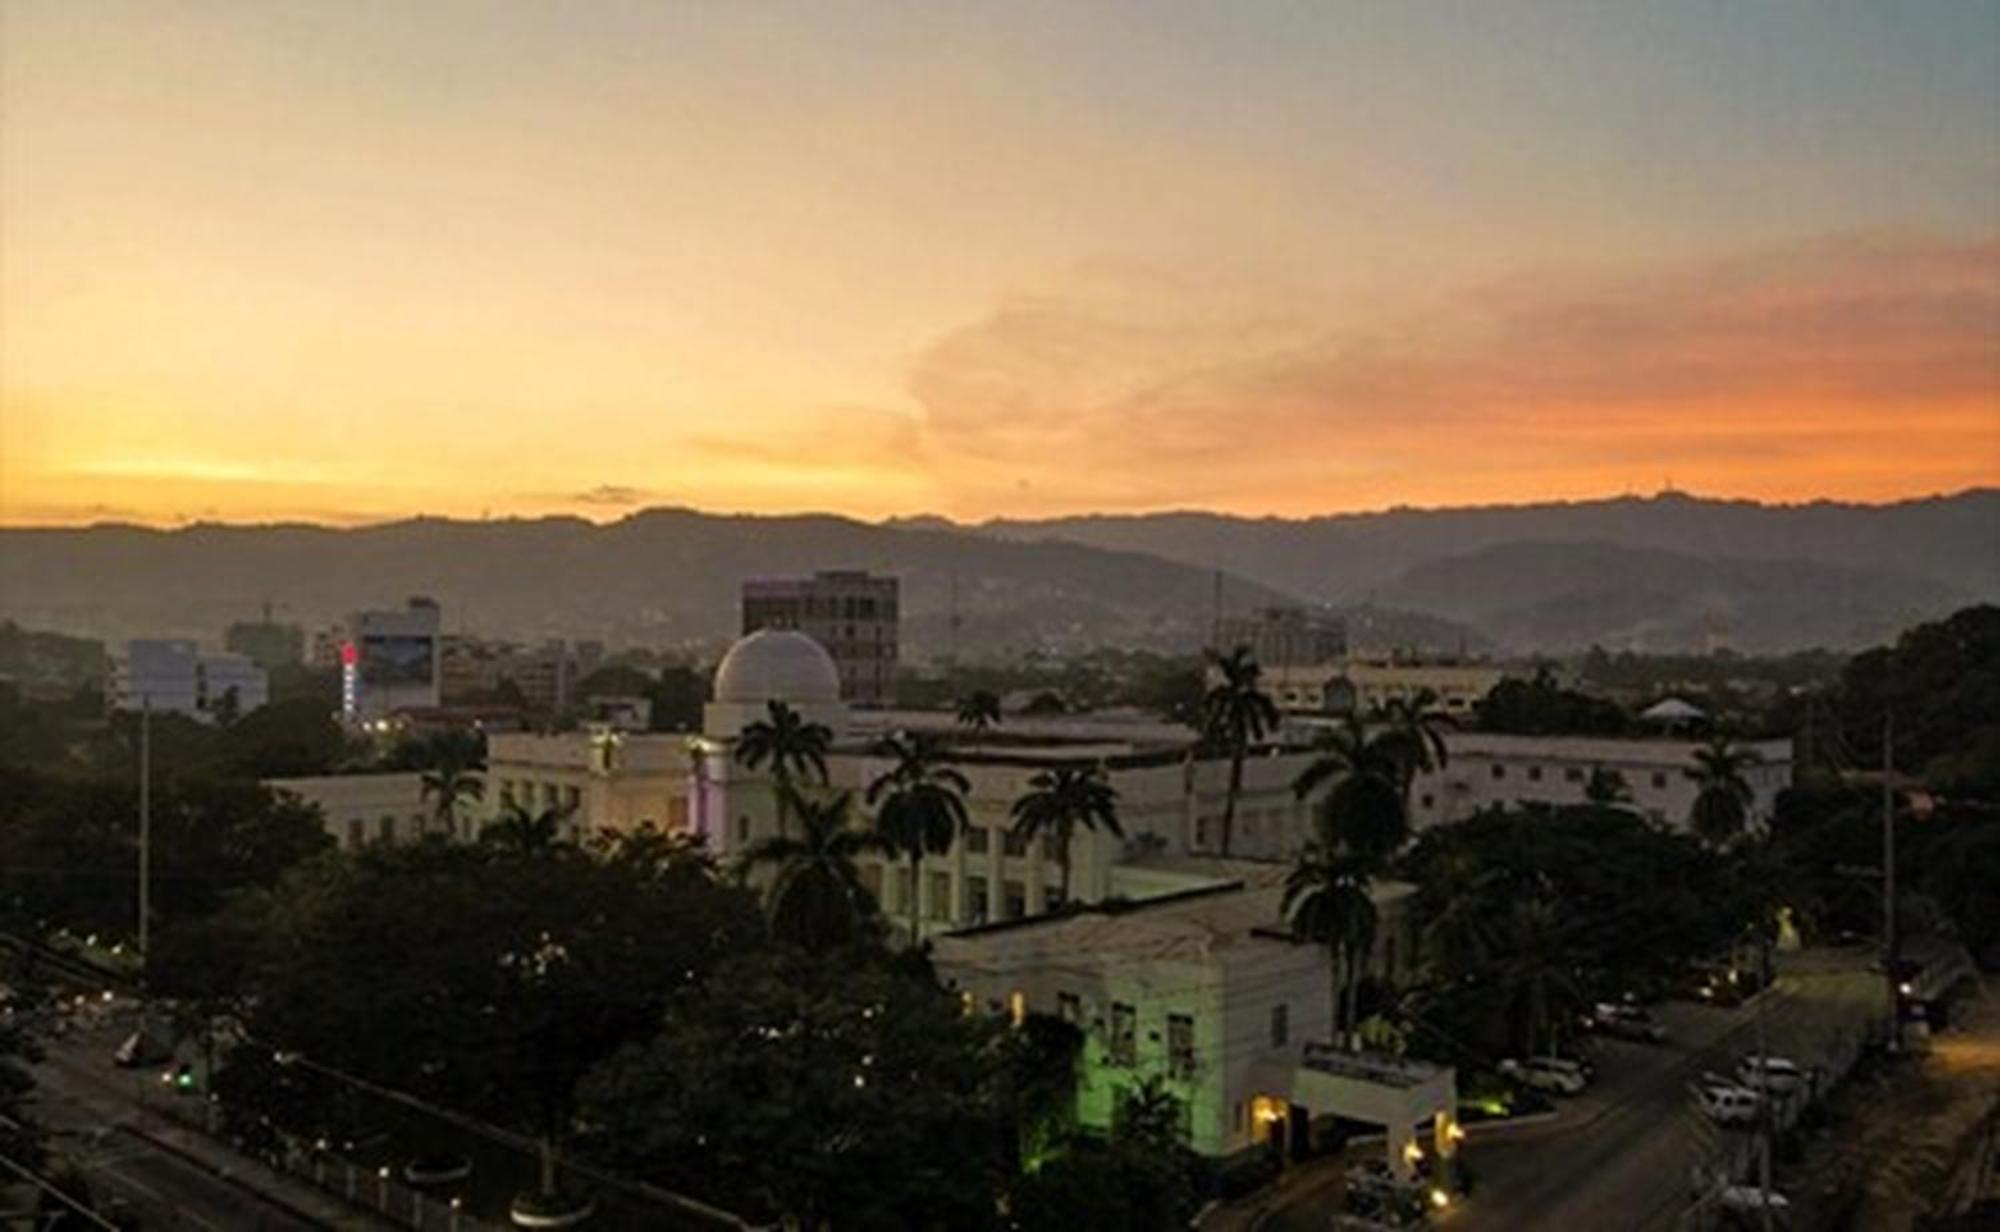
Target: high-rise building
[
  {"x": 851, "y": 613},
  {"x": 174, "y": 676},
  {"x": 389, "y": 661},
  {"x": 267, "y": 643}
]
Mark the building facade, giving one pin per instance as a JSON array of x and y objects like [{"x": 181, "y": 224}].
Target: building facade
[
  {"x": 175, "y": 676},
  {"x": 854, "y": 615},
  {"x": 360, "y": 809},
  {"x": 600, "y": 779},
  {"x": 1486, "y": 769},
  {"x": 389, "y": 661},
  {"x": 1348, "y": 685}
]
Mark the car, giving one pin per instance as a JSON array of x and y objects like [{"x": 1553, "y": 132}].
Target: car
[
  {"x": 1725, "y": 1103},
  {"x": 1774, "y": 1075},
  {"x": 1553, "y": 1075},
  {"x": 1631, "y": 1022},
  {"x": 1747, "y": 1204}
]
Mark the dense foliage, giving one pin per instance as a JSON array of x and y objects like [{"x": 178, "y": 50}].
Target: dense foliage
[{"x": 1940, "y": 684}]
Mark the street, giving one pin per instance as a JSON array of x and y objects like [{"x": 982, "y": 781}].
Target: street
[{"x": 1621, "y": 1155}]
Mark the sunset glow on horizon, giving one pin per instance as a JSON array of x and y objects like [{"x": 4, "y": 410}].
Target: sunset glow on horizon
[{"x": 354, "y": 262}]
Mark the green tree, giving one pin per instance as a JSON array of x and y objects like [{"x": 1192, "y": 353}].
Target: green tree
[
  {"x": 1345, "y": 749},
  {"x": 817, "y": 901},
  {"x": 816, "y": 1095},
  {"x": 792, "y": 747},
  {"x": 919, "y": 807},
  {"x": 979, "y": 710},
  {"x": 1539, "y": 971},
  {"x": 1236, "y": 713},
  {"x": 1060, "y": 800},
  {"x": 1723, "y": 797}
]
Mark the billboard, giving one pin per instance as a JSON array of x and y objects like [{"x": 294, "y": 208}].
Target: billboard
[{"x": 390, "y": 660}]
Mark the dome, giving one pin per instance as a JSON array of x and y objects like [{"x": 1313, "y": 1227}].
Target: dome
[{"x": 777, "y": 665}]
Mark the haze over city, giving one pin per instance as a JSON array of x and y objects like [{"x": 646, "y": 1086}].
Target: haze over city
[{"x": 352, "y": 262}]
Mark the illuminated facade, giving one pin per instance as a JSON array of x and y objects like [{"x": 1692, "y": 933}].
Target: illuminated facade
[{"x": 389, "y": 662}]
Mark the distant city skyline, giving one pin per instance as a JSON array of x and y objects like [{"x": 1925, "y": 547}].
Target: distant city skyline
[{"x": 350, "y": 263}]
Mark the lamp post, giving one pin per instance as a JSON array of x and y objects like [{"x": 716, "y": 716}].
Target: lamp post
[{"x": 145, "y": 824}]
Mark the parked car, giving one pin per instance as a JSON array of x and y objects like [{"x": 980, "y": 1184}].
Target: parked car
[
  {"x": 1624, "y": 1021},
  {"x": 1745, "y": 1205},
  {"x": 1724, "y": 1102},
  {"x": 1552, "y": 1075},
  {"x": 1774, "y": 1075}
]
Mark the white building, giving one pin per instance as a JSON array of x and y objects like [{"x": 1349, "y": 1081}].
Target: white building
[
  {"x": 603, "y": 779},
  {"x": 1169, "y": 800},
  {"x": 359, "y": 809},
  {"x": 1484, "y": 769},
  {"x": 1193, "y": 979},
  {"x": 175, "y": 676},
  {"x": 1347, "y": 685}
]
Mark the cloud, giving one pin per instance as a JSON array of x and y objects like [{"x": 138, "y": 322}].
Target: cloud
[
  {"x": 1828, "y": 367},
  {"x": 611, "y": 494}
]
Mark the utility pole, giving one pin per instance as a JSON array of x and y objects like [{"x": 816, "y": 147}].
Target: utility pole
[
  {"x": 1764, "y": 1092},
  {"x": 1889, "y": 880},
  {"x": 145, "y": 824}
]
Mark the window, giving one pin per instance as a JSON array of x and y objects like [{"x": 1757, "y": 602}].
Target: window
[
  {"x": 1124, "y": 1034},
  {"x": 978, "y": 840},
  {"x": 871, "y": 878},
  {"x": 742, "y": 829},
  {"x": 1499, "y": 771},
  {"x": 357, "y": 832},
  {"x": 975, "y": 899},
  {"x": 1180, "y": 1046},
  {"x": 387, "y": 830},
  {"x": 572, "y": 798},
  {"x": 1016, "y": 904},
  {"x": 940, "y": 896},
  {"x": 1574, "y": 774},
  {"x": 1069, "y": 1008},
  {"x": 1660, "y": 779},
  {"x": 903, "y": 890},
  {"x": 1013, "y": 844},
  {"x": 1426, "y": 800},
  {"x": 506, "y": 792},
  {"x": 1534, "y": 774},
  {"x": 1281, "y": 1025}
]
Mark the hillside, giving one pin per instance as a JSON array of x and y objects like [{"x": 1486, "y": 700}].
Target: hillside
[
  {"x": 659, "y": 577},
  {"x": 1556, "y": 597},
  {"x": 1953, "y": 540}
]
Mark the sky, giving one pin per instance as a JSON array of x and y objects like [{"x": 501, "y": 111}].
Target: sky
[{"x": 359, "y": 260}]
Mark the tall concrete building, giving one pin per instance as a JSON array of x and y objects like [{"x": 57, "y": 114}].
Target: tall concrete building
[
  {"x": 389, "y": 661},
  {"x": 851, "y": 613}
]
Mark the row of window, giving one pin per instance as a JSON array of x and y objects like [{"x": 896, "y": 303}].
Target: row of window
[
  {"x": 1571, "y": 774},
  {"x": 389, "y": 828},
  {"x": 531, "y": 795},
  {"x": 1120, "y": 1031}
]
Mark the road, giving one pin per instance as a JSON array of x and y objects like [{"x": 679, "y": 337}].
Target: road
[{"x": 1621, "y": 1156}]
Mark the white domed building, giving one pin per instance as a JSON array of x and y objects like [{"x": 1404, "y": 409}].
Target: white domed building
[{"x": 774, "y": 665}]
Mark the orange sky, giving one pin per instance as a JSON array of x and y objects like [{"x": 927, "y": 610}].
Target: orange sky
[{"x": 362, "y": 260}]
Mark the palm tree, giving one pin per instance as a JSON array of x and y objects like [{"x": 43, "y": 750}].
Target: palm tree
[
  {"x": 1326, "y": 900},
  {"x": 1415, "y": 736},
  {"x": 1365, "y": 814},
  {"x": 1459, "y": 912},
  {"x": 524, "y": 833},
  {"x": 1063, "y": 799},
  {"x": 817, "y": 900},
  {"x": 1347, "y": 748},
  {"x": 793, "y": 747},
  {"x": 1539, "y": 970},
  {"x": 979, "y": 710},
  {"x": 1722, "y": 801},
  {"x": 1236, "y": 713},
  {"x": 919, "y": 807},
  {"x": 449, "y": 784}
]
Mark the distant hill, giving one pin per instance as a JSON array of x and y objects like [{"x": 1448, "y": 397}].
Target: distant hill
[
  {"x": 1882, "y": 566},
  {"x": 1557, "y": 597},
  {"x": 660, "y": 577}
]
